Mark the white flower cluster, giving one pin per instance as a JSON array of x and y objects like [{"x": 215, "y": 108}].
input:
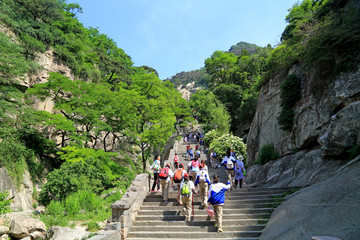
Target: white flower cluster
[{"x": 228, "y": 141}]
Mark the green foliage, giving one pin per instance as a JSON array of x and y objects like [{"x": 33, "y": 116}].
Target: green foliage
[
  {"x": 238, "y": 48},
  {"x": 84, "y": 169},
  {"x": 227, "y": 141},
  {"x": 4, "y": 202},
  {"x": 267, "y": 153},
  {"x": 93, "y": 226},
  {"x": 210, "y": 111},
  {"x": 354, "y": 152},
  {"x": 211, "y": 135},
  {"x": 290, "y": 94},
  {"x": 200, "y": 77}
]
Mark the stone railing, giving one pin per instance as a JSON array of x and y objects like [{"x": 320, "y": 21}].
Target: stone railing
[{"x": 125, "y": 210}]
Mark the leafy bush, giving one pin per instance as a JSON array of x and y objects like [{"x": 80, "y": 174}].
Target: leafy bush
[
  {"x": 267, "y": 153},
  {"x": 4, "y": 202},
  {"x": 211, "y": 135},
  {"x": 93, "y": 226},
  {"x": 290, "y": 94},
  {"x": 227, "y": 141},
  {"x": 354, "y": 152}
]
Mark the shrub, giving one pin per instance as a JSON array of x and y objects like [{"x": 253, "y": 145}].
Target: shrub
[
  {"x": 211, "y": 135},
  {"x": 72, "y": 205},
  {"x": 93, "y": 226},
  {"x": 290, "y": 94},
  {"x": 227, "y": 141},
  {"x": 4, "y": 202},
  {"x": 267, "y": 153},
  {"x": 354, "y": 152},
  {"x": 55, "y": 208}
]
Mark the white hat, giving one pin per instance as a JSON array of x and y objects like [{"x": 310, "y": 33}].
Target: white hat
[{"x": 241, "y": 157}]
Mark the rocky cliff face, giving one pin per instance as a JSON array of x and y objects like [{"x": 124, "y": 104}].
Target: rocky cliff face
[
  {"x": 187, "y": 90},
  {"x": 327, "y": 115}
]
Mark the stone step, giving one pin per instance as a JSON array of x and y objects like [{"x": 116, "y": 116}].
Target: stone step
[
  {"x": 226, "y": 222},
  {"x": 227, "y": 205},
  {"x": 227, "y": 197},
  {"x": 193, "y": 235},
  {"x": 194, "y": 228},
  {"x": 173, "y": 193},
  {"x": 173, "y": 201},
  {"x": 202, "y": 217},
  {"x": 202, "y": 211},
  {"x": 216, "y": 238}
]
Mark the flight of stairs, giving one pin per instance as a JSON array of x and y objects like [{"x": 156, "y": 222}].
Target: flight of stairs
[
  {"x": 246, "y": 211},
  {"x": 245, "y": 214}
]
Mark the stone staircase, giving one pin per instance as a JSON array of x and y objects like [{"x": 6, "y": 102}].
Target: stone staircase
[{"x": 246, "y": 211}]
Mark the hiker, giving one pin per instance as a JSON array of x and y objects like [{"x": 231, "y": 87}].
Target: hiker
[
  {"x": 166, "y": 175},
  {"x": 229, "y": 163},
  {"x": 217, "y": 199},
  {"x": 156, "y": 167},
  {"x": 177, "y": 179},
  {"x": 239, "y": 172},
  {"x": 176, "y": 161},
  {"x": 203, "y": 180},
  {"x": 193, "y": 168},
  {"x": 188, "y": 150},
  {"x": 205, "y": 166},
  {"x": 232, "y": 153},
  {"x": 198, "y": 153},
  {"x": 187, "y": 189},
  {"x": 213, "y": 156},
  {"x": 191, "y": 153}
]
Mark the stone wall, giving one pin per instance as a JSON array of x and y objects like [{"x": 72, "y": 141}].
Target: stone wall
[{"x": 125, "y": 210}]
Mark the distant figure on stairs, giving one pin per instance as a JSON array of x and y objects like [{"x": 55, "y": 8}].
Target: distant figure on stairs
[
  {"x": 217, "y": 199},
  {"x": 229, "y": 163},
  {"x": 239, "y": 172},
  {"x": 176, "y": 161},
  {"x": 156, "y": 167}
]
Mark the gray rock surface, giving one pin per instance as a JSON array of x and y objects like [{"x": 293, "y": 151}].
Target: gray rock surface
[
  {"x": 65, "y": 233},
  {"x": 329, "y": 208},
  {"x": 326, "y": 115},
  {"x": 21, "y": 227},
  {"x": 300, "y": 169}
]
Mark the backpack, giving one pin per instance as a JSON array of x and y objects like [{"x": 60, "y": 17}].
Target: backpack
[
  {"x": 164, "y": 174},
  {"x": 156, "y": 166},
  {"x": 176, "y": 159},
  {"x": 178, "y": 176},
  {"x": 185, "y": 190},
  {"x": 195, "y": 166},
  {"x": 229, "y": 164},
  {"x": 202, "y": 177}
]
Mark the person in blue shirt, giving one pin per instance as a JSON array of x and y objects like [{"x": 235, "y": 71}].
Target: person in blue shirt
[
  {"x": 217, "y": 199},
  {"x": 229, "y": 163}
]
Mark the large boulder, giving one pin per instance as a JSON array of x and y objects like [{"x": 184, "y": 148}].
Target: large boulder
[
  {"x": 61, "y": 233},
  {"x": 328, "y": 208},
  {"x": 22, "y": 227}
]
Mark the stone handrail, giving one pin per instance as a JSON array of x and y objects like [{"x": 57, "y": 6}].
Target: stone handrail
[{"x": 125, "y": 210}]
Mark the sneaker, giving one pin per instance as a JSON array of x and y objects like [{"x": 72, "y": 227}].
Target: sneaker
[
  {"x": 158, "y": 190},
  {"x": 166, "y": 201},
  {"x": 220, "y": 230},
  {"x": 152, "y": 191}
]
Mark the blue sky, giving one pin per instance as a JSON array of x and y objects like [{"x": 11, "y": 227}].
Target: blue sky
[{"x": 178, "y": 35}]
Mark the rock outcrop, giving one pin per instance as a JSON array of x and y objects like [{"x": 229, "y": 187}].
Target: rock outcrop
[
  {"x": 188, "y": 90},
  {"x": 61, "y": 233},
  {"x": 327, "y": 115},
  {"x": 328, "y": 208},
  {"x": 21, "y": 227}
]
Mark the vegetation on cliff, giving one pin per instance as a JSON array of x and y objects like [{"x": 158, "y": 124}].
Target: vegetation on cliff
[{"x": 105, "y": 123}]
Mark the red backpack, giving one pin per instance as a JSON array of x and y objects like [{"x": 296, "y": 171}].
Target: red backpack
[
  {"x": 164, "y": 173},
  {"x": 178, "y": 176}
]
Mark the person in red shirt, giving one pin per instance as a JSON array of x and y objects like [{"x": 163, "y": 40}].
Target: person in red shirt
[{"x": 176, "y": 161}]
